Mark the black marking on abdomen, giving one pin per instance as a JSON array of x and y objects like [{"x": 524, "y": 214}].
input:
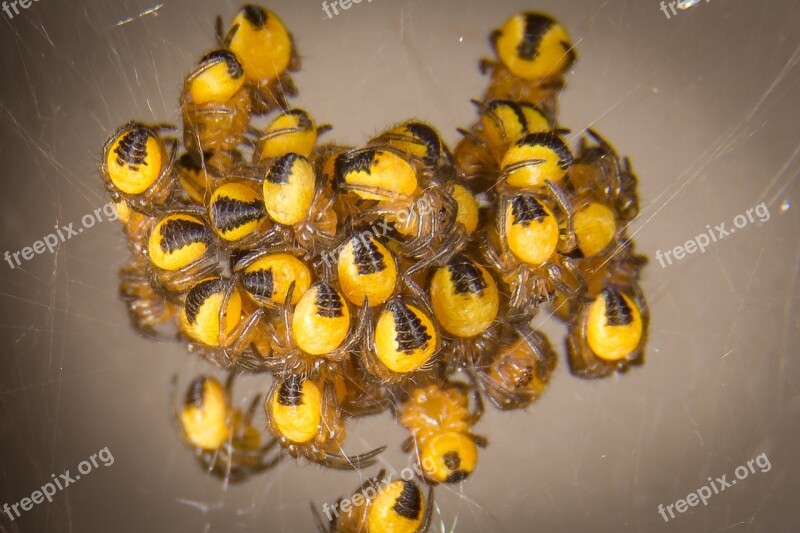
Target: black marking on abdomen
[
  {"x": 526, "y": 209},
  {"x": 466, "y": 276},
  {"x": 132, "y": 149},
  {"x": 618, "y": 312},
  {"x": 347, "y": 162},
  {"x": 329, "y": 303},
  {"x": 523, "y": 122},
  {"x": 453, "y": 462},
  {"x": 410, "y": 333},
  {"x": 229, "y": 213},
  {"x": 366, "y": 255},
  {"x": 281, "y": 169},
  {"x": 551, "y": 141},
  {"x": 255, "y": 15},
  {"x": 235, "y": 70},
  {"x": 433, "y": 144},
  {"x": 409, "y": 503},
  {"x": 536, "y": 26},
  {"x": 179, "y": 232},
  {"x": 303, "y": 122},
  {"x": 195, "y": 395},
  {"x": 290, "y": 392},
  {"x": 260, "y": 283},
  {"x": 198, "y": 294}
]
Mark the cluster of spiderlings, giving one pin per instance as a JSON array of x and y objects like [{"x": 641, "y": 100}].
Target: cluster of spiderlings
[{"x": 393, "y": 276}]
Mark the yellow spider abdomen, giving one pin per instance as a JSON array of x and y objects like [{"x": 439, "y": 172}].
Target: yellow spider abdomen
[
  {"x": 366, "y": 269},
  {"x": 531, "y": 230},
  {"x": 595, "y": 227},
  {"x": 613, "y": 325},
  {"x": 464, "y": 297},
  {"x": 236, "y": 211},
  {"x": 135, "y": 159},
  {"x": 416, "y": 139},
  {"x": 296, "y": 409},
  {"x": 261, "y": 42},
  {"x": 200, "y": 315},
  {"x": 205, "y": 414},
  {"x": 267, "y": 280},
  {"x": 383, "y": 173},
  {"x": 505, "y": 122},
  {"x": 467, "y": 213},
  {"x": 448, "y": 457},
  {"x": 534, "y": 47},
  {"x": 405, "y": 338},
  {"x": 535, "y": 159},
  {"x": 216, "y": 79},
  {"x": 399, "y": 507},
  {"x": 289, "y": 188},
  {"x": 291, "y": 131},
  {"x": 177, "y": 241},
  {"x": 321, "y": 320}
]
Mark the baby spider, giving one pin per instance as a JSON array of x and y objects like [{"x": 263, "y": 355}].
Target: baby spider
[
  {"x": 440, "y": 423},
  {"x": 597, "y": 167},
  {"x": 300, "y": 202},
  {"x": 421, "y": 141},
  {"x": 500, "y": 125},
  {"x": 138, "y": 166},
  {"x": 224, "y": 439},
  {"x": 267, "y": 53},
  {"x": 466, "y": 303},
  {"x": 366, "y": 269},
  {"x": 402, "y": 343},
  {"x": 517, "y": 370},
  {"x": 291, "y": 131},
  {"x": 306, "y": 419},
  {"x": 214, "y": 105},
  {"x": 533, "y": 54},
  {"x": 424, "y": 218},
  {"x": 609, "y": 333},
  {"x": 220, "y": 325},
  {"x": 267, "y": 275},
  {"x": 379, "y": 505},
  {"x": 148, "y": 308},
  {"x": 237, "y": 214},
  {"x": 318, "y": 329},
  {"x": 524, "y": 249},
  {"x": 181, "y": 250}
]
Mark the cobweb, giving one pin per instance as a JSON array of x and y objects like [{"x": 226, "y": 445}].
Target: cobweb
[{"x": 705, "y": 104}]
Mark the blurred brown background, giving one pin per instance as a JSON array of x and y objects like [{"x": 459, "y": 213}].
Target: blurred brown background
[{"x": 705, "y": 103}]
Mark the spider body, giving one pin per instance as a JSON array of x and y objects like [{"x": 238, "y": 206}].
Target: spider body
[
  {"x": 223, "y": 438},
  {"x": 609, "y": 332},
  {"x": 306, "y": 419},
  {"x": 214, "y": 104},
  {"x": 533, "y": 53},
  {"x": 380, "y": 505},
  {"x": 440, "y": 422},
  {"x": 267, "y": 54},
  {"x": 138, "y": 166}
]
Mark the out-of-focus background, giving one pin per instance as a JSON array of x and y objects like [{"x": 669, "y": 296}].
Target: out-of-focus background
[{"x": 704, "y": 102}]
